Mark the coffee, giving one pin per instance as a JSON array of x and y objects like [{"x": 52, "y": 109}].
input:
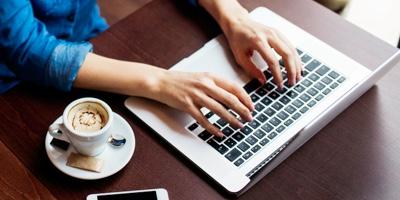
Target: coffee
[{"x": 87, "y": 117}]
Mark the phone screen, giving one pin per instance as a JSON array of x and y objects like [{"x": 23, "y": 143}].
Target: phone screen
[{"x": 152, "y": 195}]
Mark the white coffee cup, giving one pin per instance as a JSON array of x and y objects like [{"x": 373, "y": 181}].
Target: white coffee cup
[{"x": 87, "y": 131}]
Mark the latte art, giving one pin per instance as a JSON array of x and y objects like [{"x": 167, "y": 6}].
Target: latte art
[{"x": 88, "y": 117}]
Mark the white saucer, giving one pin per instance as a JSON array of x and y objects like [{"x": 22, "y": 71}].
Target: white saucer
[{"x": 114, "y": 158}]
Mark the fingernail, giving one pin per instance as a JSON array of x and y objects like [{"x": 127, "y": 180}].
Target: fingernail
[
  {"x": 220, "y": 134},
  {"x": 250, "y": 117}
]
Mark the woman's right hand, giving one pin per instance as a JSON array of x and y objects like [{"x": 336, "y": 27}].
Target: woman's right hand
[{"x": 188, "y": 91}]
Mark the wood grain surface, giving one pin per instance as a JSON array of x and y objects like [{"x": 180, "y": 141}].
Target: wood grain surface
[{"x": 354, "y": 157}]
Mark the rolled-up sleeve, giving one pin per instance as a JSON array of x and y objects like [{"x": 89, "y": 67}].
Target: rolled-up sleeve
[
  {"x": 34, "y": 54},
  {"x": 193, "y": 2}
]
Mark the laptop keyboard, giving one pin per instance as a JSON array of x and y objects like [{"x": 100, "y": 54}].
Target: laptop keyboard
[{"x": 275, "y": 110}]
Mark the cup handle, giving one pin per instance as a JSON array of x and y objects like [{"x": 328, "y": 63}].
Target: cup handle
[{"x": 57, "y": 130}]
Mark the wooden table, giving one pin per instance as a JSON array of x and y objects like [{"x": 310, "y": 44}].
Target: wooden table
[{"x": 355, "y": 157}]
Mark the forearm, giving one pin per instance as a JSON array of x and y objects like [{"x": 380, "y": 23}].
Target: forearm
[
  {"x": 227, "y": 13},
  {"x": 111, "y": 75}
]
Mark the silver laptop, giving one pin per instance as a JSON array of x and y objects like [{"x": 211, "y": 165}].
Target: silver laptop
[{"x": 284, "y": 120}]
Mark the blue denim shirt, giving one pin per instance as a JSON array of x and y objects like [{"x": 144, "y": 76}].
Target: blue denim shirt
[{"x": 45, "y": 41}]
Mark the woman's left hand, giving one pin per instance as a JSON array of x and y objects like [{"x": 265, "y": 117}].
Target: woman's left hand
[{"x": 245, "y": 36}]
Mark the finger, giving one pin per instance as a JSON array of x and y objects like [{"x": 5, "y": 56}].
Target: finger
[
  {"x": 268, "y": 55},
  {"x": 199, "y": 117},
  {"x": 236, "y": 90},
  {"x": 299, "y": 66},
  {"x": 245, "y": 61},
  {"x": 217, "y": 108},
  {"x": 230, "y": 101},
  {"x": 288, "y": 56}
]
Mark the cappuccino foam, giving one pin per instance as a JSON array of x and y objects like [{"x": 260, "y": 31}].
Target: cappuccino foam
[{"x": 88, "y": 117}]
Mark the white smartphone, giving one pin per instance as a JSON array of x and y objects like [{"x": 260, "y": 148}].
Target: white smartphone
[{"x": 149, "y": 194}]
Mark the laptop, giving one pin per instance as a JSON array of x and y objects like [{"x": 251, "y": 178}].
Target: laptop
[{"x": 283, "y": 120}]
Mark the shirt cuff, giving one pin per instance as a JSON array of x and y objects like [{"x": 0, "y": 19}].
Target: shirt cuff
[
  {"x": 193, "y": 2},
  {"x": 64, "y": 64}
]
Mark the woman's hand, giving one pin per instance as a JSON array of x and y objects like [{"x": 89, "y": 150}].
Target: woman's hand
[
  {"x": 245, "y": 36},
  {"x": 181, "y": 90},
  {"x": 191, "y": 91}
]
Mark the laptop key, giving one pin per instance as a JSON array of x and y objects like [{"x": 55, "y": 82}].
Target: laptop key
[
  {"x": 272, "y": 135},
  {"x": 319, "y": 86},
  {"x": 259, "y": 107},
  {"x": 193, "y": 126},
  {"x": 304, "y": 109},
  {"x": 238, "y": 136},
  {"x": 251, "y": 140},
  {"x": 322, "y": 70},
  {"x": 262, "y": 118},
  {"x": 297, "y": 103},
  {"x": 269, "y": 111},
  {"x": 305, "y": 58},
  {"x": 299, "y": 88},
  {"x": 220, "y": 148},
  {"x": 326, "y": 91},
  {"x": 312, "y": 65},
  {"x": 264, "y": 141},
  {"x": 333, "y": 74},
  {"x": 284, "y": 100},
  {"x": 246, "y": 130},
  {"x": 204, "y": 135},
  {"x": 269, "y": 87},
  {"x": 261, "y": 92},
  {"x": 312, "y": 91},
  {"x": 311, "y": 103},
  {"x": 254, "y": 113},
  {"x": 296, "y": 116},
  {"x": 282, "y": 115},
  {"x": 341, "y": 79},
  {"x": 275, "y": 121},
  {"x": 219, "y": 139},
  {"x": 233, "y": 154},
  {"x": 243, "y": 146},
  {"x": 290, "y": 109},
  {"x": 319, "y": 97},
  {"x": 238, "y": 162},
  {"x": 305, "y": 97},
  {"x": 273, "y": 95},
  {"x": 227, "y": 131},
  {"x": 259, "y": 134},
  {"x": 267, "y": 127},
  {"x": 314, "y": 77},
  {"x": 277, "y": 106},
  {"x": 266, "y": 101},
  {"x": 280, "y": 128},
  {"x": 247, "y": 155},
  {"x": 299, "y": 52},
  {"x": 306, "y": 83},
  {"x": 327, "y": 80},
  {"x": 230, "y": 142},
  {"x": 216, "y": 125},
  {"x": 209, "y": 114},
  {"x": 288, "y": 122},
  {"x": 334, "y": 85},
  {"x": 254, "y": 124},
  {"x": 252, "y": 85},
  {"x": 254, "y": 98},
  {"x": 292, "y": 94},
  {"x": 221, "y": 122},
  {"x": 255, "y": 148}
]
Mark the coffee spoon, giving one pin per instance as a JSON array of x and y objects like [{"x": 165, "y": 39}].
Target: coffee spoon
[
  {"x": 114, "y": 140},
  {"x": 117, "y": 140}
]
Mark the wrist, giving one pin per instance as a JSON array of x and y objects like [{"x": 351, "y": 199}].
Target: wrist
[
  {"x": 227, "y": 13},
  {"x": 153, "y": 83}
]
